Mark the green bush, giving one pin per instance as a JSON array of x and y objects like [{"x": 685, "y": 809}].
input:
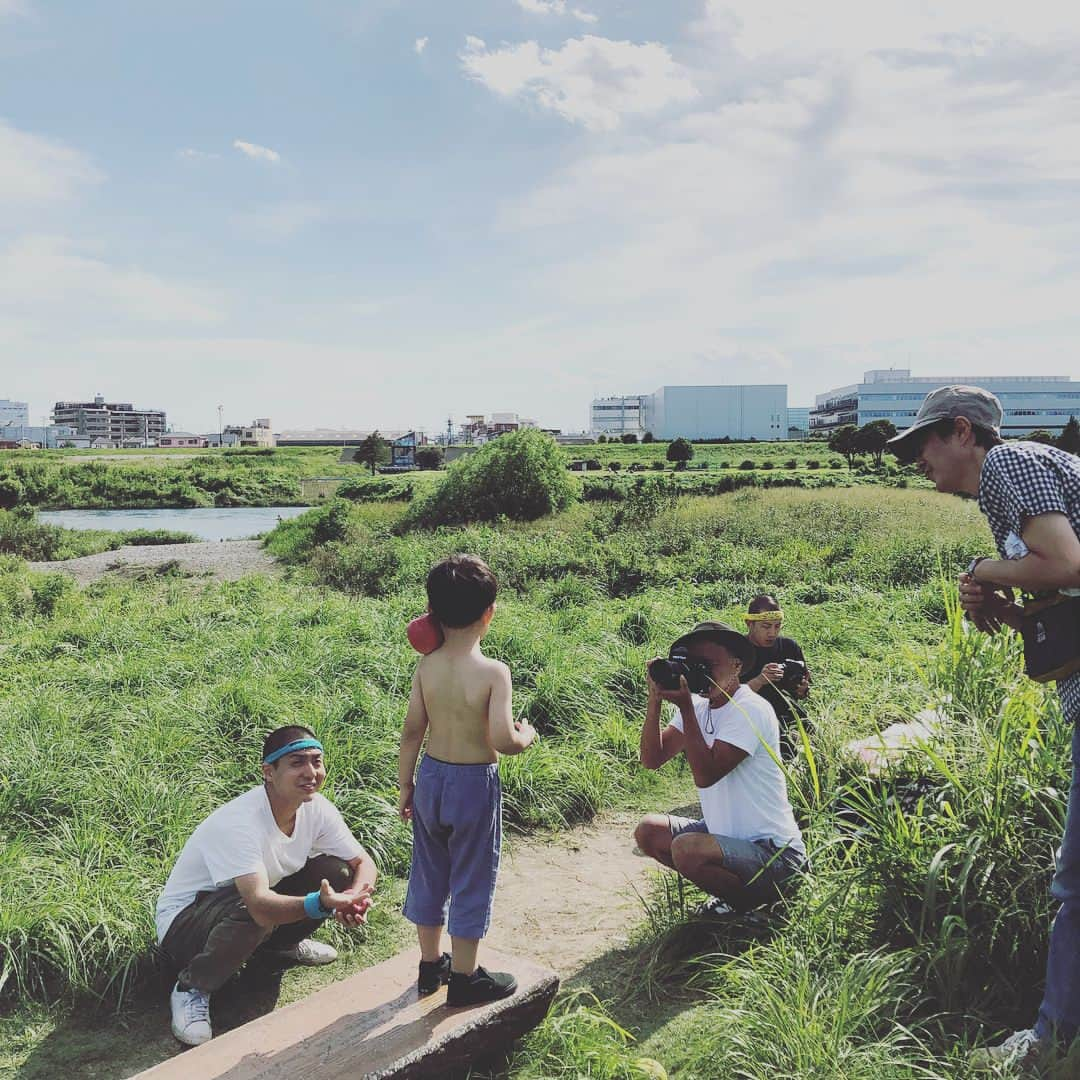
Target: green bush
[
  {"x": 520, "y": 476},
  {"x": 746, "y": 464}
]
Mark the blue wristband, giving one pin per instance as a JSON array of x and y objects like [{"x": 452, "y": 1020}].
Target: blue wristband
[{"x": 313, "y": 908}]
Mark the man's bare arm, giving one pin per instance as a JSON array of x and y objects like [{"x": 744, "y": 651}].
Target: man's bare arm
[
  {"x": 1052, "y": 561},
  {"x": 270, "y": 909},
  {"x": 657, "y": 747}
]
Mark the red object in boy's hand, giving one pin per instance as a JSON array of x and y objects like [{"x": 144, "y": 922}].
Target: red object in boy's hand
[{"x": 425, "y": 634}]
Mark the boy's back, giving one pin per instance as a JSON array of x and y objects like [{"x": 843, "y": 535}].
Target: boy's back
[{"x": 465, "y": 695}]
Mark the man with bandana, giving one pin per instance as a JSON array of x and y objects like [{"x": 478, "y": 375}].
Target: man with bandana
[
  {"x": 766, "y": 675},
  {"x": 264, "y": 870}
]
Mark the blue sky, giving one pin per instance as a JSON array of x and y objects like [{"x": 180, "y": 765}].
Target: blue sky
[{"x": 379, "y": 213}]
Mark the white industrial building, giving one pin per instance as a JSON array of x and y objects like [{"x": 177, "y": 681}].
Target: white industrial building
[
  {"x": 1030, "y": 402},
  {"x": 14, "y": 414},
  {"x": 696, "y": 412}
]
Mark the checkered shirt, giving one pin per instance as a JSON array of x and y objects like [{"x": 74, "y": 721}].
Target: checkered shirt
[{"x": 1021, "y": 480}]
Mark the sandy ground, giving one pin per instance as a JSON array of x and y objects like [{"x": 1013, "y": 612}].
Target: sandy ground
[
  {"x": 223, "y": 561},
  {"x": 563, "y": 900}
]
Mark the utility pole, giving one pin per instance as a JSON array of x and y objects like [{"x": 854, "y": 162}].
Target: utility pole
[{"x": 220, "y": 428}]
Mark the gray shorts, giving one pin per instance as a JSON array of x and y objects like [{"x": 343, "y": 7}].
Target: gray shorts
[{"x": 768, "y": 871}]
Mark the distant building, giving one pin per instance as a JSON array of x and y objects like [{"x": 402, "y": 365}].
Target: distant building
[
  {"x": 44, "y": 437},
  {"x": 478, "y": 429},
  {"x": 619, "y": 415},
  {"x": 257, "y": 433},
  {"x": 697, "y": 412},
  {"x": 403, "y": 450},
  {"x": 13, "y": 414},
  {"x": 329, "y": 437},
  {"x": 1030, "y": 402},
  {"x": 114, "y": 424},
  {"x": 183, "y": 438},
  {"x": 798, "y": 423}
]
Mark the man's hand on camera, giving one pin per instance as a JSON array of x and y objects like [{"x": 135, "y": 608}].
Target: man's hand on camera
[
  {"x": 803, "y": 687},
  {"x": 983, "y": 606},
  {"x": 773, "y": 673},
  {"x": 681, "y": 697}
]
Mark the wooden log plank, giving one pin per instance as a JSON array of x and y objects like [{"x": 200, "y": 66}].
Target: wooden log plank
[{"x": 372, "y": 1025}]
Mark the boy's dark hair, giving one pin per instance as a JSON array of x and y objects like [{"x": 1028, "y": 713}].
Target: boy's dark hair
[
  {"x": 909, "y": 449},
  {"x": 460, "y": 589},
  {"x": 762, "y": 602},
  {"x": 282, "y": 736}
]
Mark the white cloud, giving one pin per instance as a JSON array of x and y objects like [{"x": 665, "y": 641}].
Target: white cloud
[
  {"x": 256, "y": 152},
  {"x": 591, "y": 80},
  {"x": 852, "y": 187},
  {"x": 282, "y": 220},
  {"x": 851, "y": 26},
  {"x": 420, "y": 45},
  {"x": 38, "y": 170},
  {"x": 42, "y": 275},
  {"x": 555, "y": 7},
  {"x": 190, "y": 154}
]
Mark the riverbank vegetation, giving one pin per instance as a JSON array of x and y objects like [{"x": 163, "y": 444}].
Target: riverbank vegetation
[
  {"x": 130, "y": 710},
  {"x": 288, "y": 476}
]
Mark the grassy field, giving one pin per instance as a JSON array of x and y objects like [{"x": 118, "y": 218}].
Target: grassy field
[
  {"x": 136, "y": 479},
  {"x": 128, "y": 711}
]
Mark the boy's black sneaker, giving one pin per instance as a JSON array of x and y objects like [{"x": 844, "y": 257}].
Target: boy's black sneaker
[
  {"x": 433, "y": 973},
  {"x": 479, "y": 987}
]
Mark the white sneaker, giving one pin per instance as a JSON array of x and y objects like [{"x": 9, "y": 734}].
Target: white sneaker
[
  {"x": 1018, "y": 1047},
  {"x": 715, "y": 908},
  {"x": 309, "y": 952},
  {"x": 190, "y": 1016}
]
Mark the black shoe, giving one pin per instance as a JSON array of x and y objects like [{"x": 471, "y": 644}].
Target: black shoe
[
  {"x": 433, "y": 974},
  {"x": 479, "y": 987}
]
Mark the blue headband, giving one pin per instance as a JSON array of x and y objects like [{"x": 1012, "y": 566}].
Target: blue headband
[{"x": 291, "y": 748}]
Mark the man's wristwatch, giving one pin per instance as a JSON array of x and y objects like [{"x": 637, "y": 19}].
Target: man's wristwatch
[{"x": 975, "y": 562}]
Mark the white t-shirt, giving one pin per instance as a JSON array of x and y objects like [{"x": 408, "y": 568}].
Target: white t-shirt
[
  {"x": 241, "y": 838},
  {"x": 751, "y": 802}
]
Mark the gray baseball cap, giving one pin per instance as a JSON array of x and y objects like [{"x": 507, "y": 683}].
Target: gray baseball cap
[{"x": 979, "y": 406}]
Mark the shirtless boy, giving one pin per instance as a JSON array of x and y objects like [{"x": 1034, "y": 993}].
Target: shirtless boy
[{"x": 462, "y": 700}]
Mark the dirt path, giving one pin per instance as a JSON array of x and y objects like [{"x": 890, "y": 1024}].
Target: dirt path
[
  {"x": 564, "y": 900},
  {"x": 222, "y": 561}
]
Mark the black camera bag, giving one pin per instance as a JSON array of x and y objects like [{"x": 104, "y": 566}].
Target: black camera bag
[{"x": 1051, "y": 631}]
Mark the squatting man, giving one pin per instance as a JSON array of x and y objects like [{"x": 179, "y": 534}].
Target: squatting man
[
  {"x": 747, "y": 849},
  {"x": 263, "y": 871}
]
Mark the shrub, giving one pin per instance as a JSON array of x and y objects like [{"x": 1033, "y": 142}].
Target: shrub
[
  {"x": 614, "y": 466},
  {"x": 746, "y": 464},
  {"x": 680, "y": 450},
  {"x": 520, "y": 476},
  {"x": 791, "y": 463},
  {"x": 657, "y": 466},
  {"x": 766, "y": 464},
  {"x": 429, "y": 457},
  {"x": 813, "y": 463},
  {"x": 648, "y": 437}
]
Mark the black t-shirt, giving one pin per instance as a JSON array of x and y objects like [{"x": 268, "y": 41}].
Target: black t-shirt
[{"x": 783, "y": 648}]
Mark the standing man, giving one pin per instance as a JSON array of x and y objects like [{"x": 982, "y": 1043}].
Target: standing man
[
  {"x": 747, "y": 849},
  {"x": 263, "y": 870},
  {"x": 1030, "y": 495},
  {"x": 782, "y": 686}
]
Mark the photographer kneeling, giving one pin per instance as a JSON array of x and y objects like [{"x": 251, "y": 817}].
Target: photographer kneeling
[
  {"x": 747, "y": 850},
  {"x": 779, "y": 672}
]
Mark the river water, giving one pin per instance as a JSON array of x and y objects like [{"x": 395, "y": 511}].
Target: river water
[{"x": 207, "y": 523}]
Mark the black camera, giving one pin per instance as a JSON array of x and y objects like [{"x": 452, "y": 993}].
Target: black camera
[
  {"x": 794, "y": 673},
  {"x": 666, "y": 673}
]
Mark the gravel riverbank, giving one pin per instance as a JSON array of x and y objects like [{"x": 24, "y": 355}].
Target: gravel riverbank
[{"x": 222, "y": 561}]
